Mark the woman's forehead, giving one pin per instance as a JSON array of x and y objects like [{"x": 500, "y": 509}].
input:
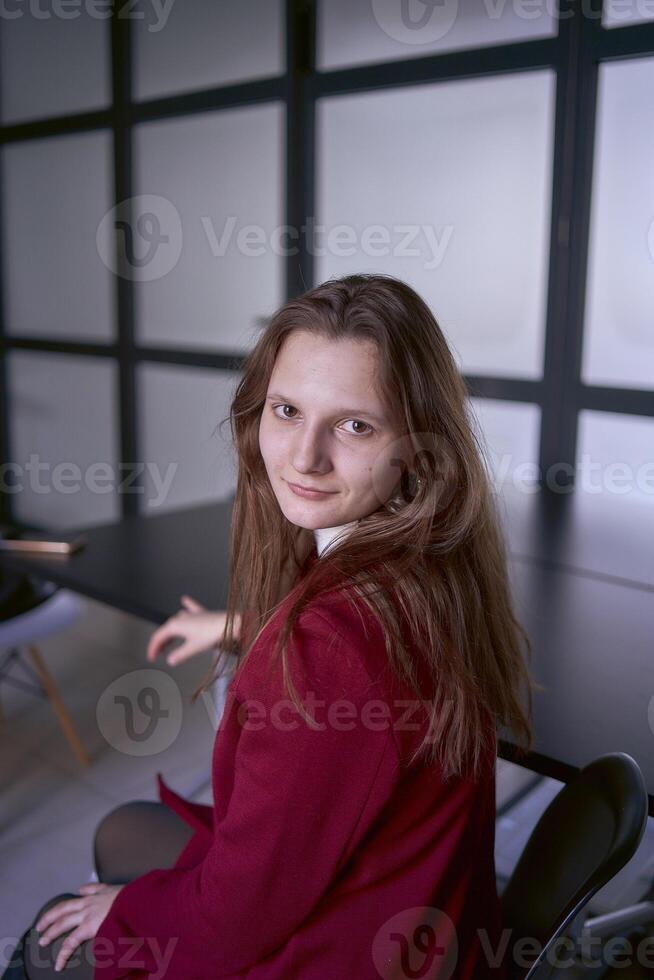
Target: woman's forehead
[{"x": 300, "y": 342}]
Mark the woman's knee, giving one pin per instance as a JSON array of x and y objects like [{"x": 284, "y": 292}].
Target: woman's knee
[
  {"x": 107, "y": 826},
  {"x": 137, "y": 837},
  {"x": 110, "y": 835}
]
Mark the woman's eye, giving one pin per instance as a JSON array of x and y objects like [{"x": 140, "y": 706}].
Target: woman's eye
[
  {"x": 366, "y": 430},
  {"x": 359, "y": 432},
  {"x": 275, "y": 407}
]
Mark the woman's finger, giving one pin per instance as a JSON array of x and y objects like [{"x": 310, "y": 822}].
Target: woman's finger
[
  {"x": 156, "y": 641},
  {"x": 70, "y": 944},
  {"x": 161, "y": 637},
  {"x": 182, "y": 653},
  {"x": 64, "y": 924},
  {"x": 56, "y": 911},
  {"x": 191, "y": 604},
  {"x": 91, "y": 887}
]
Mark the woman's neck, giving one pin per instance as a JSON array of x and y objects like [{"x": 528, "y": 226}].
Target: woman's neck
[{"x": 325, "y": 536}]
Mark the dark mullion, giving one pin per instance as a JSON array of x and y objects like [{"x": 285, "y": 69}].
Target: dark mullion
[
  {"x": 471, "y": 63},
  {"x": 6, "y": 498},
  {"x": 121, "y": 57},
  {"x": 562, "y": 205},
  {"x": 507, "y": 389},
  {"x": 48, "y": 346},
  {"x": 573, "y": 148},
  {"x": 206, "y": 100},
  {"x": 6, "y": 509},
  {"x": 300, "y": 139},
  {"x": 623, "y": 42},
  {"x": 587, "y": 78},
  {"x": 627, "y": 401},
  {"x": 55, "y": 126},
  {"x": 200, "y": 358}
]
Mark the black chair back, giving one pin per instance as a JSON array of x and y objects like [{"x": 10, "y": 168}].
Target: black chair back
[{"x": 588, "y": 833}]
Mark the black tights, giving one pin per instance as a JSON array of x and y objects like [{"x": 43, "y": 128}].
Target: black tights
[{"x": 130, "y": 841}]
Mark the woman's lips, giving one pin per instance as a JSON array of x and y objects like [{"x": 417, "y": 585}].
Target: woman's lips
[{"x": 310, "y": 494}]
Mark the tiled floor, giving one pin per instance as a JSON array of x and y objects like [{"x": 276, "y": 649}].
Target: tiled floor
[{"x": 50, "y": 805}]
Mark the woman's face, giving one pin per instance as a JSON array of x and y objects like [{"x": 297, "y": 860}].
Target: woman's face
[{"x": 323, "y": 426}]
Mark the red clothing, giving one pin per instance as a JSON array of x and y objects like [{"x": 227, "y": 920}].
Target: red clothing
[{"x": 325, "y": 857}]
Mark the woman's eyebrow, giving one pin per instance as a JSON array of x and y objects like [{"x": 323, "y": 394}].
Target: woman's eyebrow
[{"x": 356, "y": 412}]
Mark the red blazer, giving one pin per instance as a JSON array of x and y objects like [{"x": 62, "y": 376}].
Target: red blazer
[{"x": 326, "y": 856}]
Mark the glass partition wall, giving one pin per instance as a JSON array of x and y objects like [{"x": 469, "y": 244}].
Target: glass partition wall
[{"x": 169, "y": 174}]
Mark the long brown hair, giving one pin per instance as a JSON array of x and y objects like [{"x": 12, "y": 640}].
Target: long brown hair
[{"x": 430, "y": 563}]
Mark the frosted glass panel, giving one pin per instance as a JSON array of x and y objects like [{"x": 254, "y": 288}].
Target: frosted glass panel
[
  {"x": 620, "y": 13},
  {"x": 619, "y": 328},
  {"x": 447, "y": 186},
  {"x": 201, "y": 43},
  {"x": 354, "y": 32},
  {"x": 214, "y": 186},
  {"x": 509, "y": 436},
  {"x": 187, "y": 459},
  {"x": 615, "y": 457},
  {"x": 52, "y": 64},
  {"x": 64, "y": 439},
  {"x": 55, "y": 194}
]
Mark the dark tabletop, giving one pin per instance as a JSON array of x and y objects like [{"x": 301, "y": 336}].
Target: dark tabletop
[
  {"x": 582, "y": 575},
  {"x": 144, "y": 564}
]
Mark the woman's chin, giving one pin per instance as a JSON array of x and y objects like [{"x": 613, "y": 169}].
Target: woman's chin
[{"x": 310, "y": 514}]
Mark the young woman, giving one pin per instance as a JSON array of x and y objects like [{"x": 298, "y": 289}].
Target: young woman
[{"x": 353, "y": 771}]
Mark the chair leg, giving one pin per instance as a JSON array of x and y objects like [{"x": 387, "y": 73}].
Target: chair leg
[{"x": 58, "y": 705}]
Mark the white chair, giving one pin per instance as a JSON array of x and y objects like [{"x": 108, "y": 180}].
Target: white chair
[{"x": 58, "y": 609}]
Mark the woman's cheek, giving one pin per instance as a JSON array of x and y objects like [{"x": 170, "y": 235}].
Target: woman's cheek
[{"x": 267, "y": 443}]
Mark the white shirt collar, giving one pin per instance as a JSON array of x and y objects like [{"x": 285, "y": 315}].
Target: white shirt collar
[{"x": 326, "y": 535}]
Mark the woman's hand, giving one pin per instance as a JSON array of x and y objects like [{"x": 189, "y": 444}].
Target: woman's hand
[
  {"x": 83, "y": 915},
  {"x": 199, "y": 629}
]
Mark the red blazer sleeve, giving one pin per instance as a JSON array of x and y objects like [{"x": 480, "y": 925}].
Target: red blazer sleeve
[{"x": 296, "y": 800}]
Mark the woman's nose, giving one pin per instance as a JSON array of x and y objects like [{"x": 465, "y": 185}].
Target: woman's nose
[{"x": 309, "y": 452}]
